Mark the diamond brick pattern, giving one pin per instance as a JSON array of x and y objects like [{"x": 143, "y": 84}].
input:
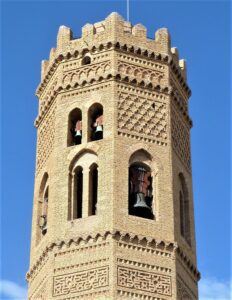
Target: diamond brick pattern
[{"x": 141, "y": 116}]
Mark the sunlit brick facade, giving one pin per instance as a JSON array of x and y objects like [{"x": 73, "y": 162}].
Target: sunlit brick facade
[{"x": 113, "y": 210}]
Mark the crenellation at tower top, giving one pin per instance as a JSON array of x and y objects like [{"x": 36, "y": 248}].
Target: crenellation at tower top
[{"x": 115, "y": 30}]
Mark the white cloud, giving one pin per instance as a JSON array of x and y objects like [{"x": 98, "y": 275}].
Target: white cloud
[
  {"x": 11, "y": 290},
  {"x": 213, "y": 289}
]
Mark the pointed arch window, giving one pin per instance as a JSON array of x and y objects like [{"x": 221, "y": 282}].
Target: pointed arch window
[
  {"x": 140, "y": 191},
  {"x": 96, "y": 121},
  {"x": 184, "y": 210},
  {"x": 93, "y": 189},
  {"x": 74, "y": 127}
]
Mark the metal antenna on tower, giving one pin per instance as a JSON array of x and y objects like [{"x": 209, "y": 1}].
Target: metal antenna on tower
[{"x": 128, "y": 10}]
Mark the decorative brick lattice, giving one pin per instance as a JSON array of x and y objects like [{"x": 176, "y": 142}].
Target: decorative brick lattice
[
  {"x": 143, "y": 62},
  {"x": 46, "y": 134},
  {"x": 183, "y": 293},
  {"x": 73, "y": 64},
  {"x": 134, "y": 279},
  {"x": 84, "y": 73},
  {"x": 142, "y": 117},
  {"x": 41, "y": 294},
  {"x": 181, "y": 139},
  {"x": 81, "y": 281},
  {"x": 140, "y": 72},
  {"x": 48, "y": 93}
]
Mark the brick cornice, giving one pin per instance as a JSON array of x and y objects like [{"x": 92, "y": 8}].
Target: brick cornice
[
  {"x": 120, "y": 236},
  {"x": 123, "y": 48}
]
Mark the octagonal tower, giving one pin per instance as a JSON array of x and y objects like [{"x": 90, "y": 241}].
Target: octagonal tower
[{"x": 113, "y": 209}]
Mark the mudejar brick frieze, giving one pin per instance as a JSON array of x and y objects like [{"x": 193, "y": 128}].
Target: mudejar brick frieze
[
  {"x": 113, "y": 207},
  {"x": 81, "y": 281},
  {"x": 147, "y": 282}
]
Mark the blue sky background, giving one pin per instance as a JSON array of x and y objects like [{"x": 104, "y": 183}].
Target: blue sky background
[{"x": 201, "y": 31}]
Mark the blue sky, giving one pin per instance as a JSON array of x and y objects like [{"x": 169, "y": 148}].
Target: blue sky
[{"x": 201, "y": 32}]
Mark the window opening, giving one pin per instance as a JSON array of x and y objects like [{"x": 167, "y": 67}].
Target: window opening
[
  {"x": 43, "y": 217},
  {"x": 75, "y": 127},
  {"x": 93, "y": 191},
  {"x": 78, "y": 193},
  {"x": 96, "y": 122},
  {"x": 86, "y": 60},
  {"x": 140, "y": 191}
]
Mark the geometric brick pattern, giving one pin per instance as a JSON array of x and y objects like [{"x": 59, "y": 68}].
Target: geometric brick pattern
[
  {"x": 81, "y": 281},
  {"x": 45, "y": 142},
  {"x": 181, "y": 139},
  {"x": 183, "y": 293},
  {"x": 140, "y": 72},
  {"x": 112, "y": 255},
  {"x": 142, "y": 117},
  {"x": 144, "y": 281},
  {"x": 84, "y": 73}
]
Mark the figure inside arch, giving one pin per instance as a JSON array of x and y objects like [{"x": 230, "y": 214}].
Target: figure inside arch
[
  {"x": 43, "y": 217},
  {"x": 77, "y": 132},
  {"x": 96, "y": 121},
  {"x": 75, "y": 127},
  {"x": 140, "y": 191},
  {"x": 98, "y": 128}
]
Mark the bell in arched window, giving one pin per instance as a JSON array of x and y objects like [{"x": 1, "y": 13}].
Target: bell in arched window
[
  {"x": 98, "y": 134},
  {"x": 141, "y": 181},
  {"x": 78, "y": 133}
]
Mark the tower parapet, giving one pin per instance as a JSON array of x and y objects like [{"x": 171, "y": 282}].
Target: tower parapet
[{"x": 113, "y": 209}]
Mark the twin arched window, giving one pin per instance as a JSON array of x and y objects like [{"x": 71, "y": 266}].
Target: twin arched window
[
  {"x": 184, "y": 210},
  {"x": 83, "y": 185},
  {"x": 95, "y": 125}
]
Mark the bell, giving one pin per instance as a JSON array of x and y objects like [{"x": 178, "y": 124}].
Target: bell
[
  {"x": 78, "y": 133},
  {"x": 43, "y": 222},
  {"x": 140, "y": 201},
  {"x": 99, "y": 128}
]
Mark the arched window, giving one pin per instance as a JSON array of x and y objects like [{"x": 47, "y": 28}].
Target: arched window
[
  {"x": 140, "y": 191},
  {"x": 184, "y": 210},
  {"x": 43, "y": 216},
  {"x": 83, "y": 185},
  {"x": 78, "y": 193},
  {"x": 74, "y": 127},
  {"x": 43, "y": 208},
  {"x": 93, "y": 189},
  {"x": 95, "y": 120}
]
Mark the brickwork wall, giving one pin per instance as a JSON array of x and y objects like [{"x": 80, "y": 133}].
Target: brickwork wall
[{"x": 141, "y": 85}]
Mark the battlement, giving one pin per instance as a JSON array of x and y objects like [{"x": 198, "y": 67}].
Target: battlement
[{"x": 113, "y": 29}]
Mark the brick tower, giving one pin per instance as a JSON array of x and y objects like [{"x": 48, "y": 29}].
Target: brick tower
[{"x": 113, "y": 209}]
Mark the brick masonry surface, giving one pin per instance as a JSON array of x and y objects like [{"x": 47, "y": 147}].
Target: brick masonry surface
[{"x": 140, "y": 84}]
